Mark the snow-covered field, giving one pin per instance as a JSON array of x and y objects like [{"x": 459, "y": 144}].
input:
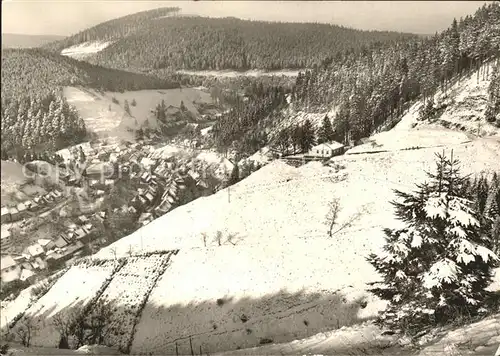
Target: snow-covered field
[
  {"x": 256, "y": 264},
  {"x": 420, "y": 137},
  {"x": 85, "y": 49},
  {"x": 127, "y": 292},
  {"x": 481, "y": 339},
  {"x": 10, "y": 309},
  {"x": 238, "y": 296},
  {"x": 104, "y": 113},
  {"x": 279, "y": 277},
  {"x": 73, "y": 290},
  {"x": 277, "y": 219},
  {"x": 100, "y": 114}
]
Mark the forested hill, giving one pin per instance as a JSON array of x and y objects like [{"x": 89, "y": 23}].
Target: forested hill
[
  {"x": 154, "y": 40},
  {"x": 39, "y": 72},
  {"x": 371, "y": 89}
]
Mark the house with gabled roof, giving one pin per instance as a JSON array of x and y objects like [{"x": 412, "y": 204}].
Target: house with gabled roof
[
  {"x": 57, "y": 194},
  {"x": 14, "y": 214},
  {"x": 34, "y": 250},
  {"x": 10, "y": 270},
  {"x": 61, "y": 242},
  {"x": 326, "y": 150},
  {"x": 5, "y": 215},
  {"x": 21, "y": 207},
  {"x": 26, "y": 275},
  {"x": 46, "y": 244}
]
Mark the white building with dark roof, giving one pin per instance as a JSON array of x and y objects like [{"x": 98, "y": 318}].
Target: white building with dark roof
[{"x": 327, "y": 150}]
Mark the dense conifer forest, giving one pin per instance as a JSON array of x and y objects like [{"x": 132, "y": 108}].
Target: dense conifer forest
[
  {"x": 160, "y": 39},
  {"x": 37, "y": 71},
  {"x": 39, "y": 124}
]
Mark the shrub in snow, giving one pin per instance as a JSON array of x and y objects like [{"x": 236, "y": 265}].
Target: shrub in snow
[{"x": 436, "y": 268}]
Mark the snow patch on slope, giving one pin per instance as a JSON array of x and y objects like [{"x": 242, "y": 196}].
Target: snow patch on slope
[
  {"x": 466, "y": 103},
  {"x": 421, "y": 137},
  {"x": 299, "y": 117},
  {"x": 85, "y": 49}
]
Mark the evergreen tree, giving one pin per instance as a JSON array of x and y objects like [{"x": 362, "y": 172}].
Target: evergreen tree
[
  {"x": 308, "y": 136},
  {"x": 326, "y": 133},
  {"x": 438, "y": 267},
  {"x": 235, "y": 176},
  {"x": 283, "y": 141}
]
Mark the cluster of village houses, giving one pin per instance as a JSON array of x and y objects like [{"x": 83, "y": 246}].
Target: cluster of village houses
[
  {"x": 151, "y": 167},
  {"x": 30, "y": 207},
  {"x": 47, "y": 253}
]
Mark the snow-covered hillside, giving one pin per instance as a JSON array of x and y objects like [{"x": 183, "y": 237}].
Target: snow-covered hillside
[
  {"x": 255, "y": 264},
  {"x": 85, "y": 49}
]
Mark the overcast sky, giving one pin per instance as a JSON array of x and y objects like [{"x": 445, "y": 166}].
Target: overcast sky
[{"x": 68, "y": 17}]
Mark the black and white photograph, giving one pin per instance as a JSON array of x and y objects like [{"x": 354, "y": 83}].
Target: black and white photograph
[{"x": 226, "y": 178}]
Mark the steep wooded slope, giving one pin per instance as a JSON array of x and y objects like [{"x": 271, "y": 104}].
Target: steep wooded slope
[{"x": 368, "y": 91}]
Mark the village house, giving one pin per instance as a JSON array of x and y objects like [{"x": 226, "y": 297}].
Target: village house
[
  {"x": 5, "y": 239},
  {"x": 64, "y": 254},
  {"x": 5, "y": 215},
  {"x": 82, "y": 219},
  {"x": 81, "y": 235},
  {"x": 34, "y": 206},
  {"x": 22, "y": 209},
  {"x": 27, "y": 275},
  {"x": 25, "y": 264},
  {"x": 48, "y": 198},
  {"x": 146, "y": 177},
  {"x": 149, "y": 196},
  {"x": 326, "y": 150},
  {"x": 14, "y": 214},
  {"x": 46, "y": 244},
  {"x": 60, "y": 242},
  {"x": 34, "y": 250},
  {"x": 39, "y": 263},
  {"x": 145, "y": 218},
  {"x": 10, "y": 270},
  {"x": 57, "y": 194}
]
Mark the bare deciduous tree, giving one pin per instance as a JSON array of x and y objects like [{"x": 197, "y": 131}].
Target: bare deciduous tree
[
  {"x": 63, "y": 324},
  {"x": 218, "y": 238},
  {"x": 233, "y": 239},
  {"x": 332, "y": 215},
  {"x": 26, "y": 329},
  {"x": 113, "y": 251}
]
